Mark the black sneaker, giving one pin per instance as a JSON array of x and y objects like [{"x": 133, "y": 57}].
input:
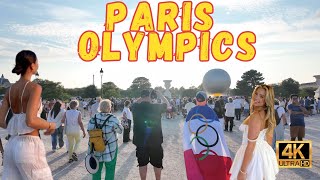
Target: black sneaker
[
  {"x": 70, "y": 160},
  {"x": 75, "y": 157}
]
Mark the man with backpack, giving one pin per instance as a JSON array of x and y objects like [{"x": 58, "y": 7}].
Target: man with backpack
[{"x": 281, "y": 120}]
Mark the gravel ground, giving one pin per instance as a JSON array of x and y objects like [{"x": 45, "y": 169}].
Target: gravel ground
[{"x": 173, "y": 162}]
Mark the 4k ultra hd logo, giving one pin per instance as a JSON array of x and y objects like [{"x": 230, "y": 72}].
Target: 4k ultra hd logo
[{"x": 294, "y": 154}]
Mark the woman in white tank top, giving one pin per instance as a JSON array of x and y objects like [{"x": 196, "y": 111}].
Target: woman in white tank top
[
  {"x": 73, "y": 122},
  {"x": 25, "y": 156}
]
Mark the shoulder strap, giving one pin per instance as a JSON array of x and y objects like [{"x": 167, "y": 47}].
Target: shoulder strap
[
  {"x": 23, "y": 94},
  {"x": 95, "y": 121},
  {"x": 104, "y": 123}
]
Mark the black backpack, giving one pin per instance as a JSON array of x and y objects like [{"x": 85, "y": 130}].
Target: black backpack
[{"x": 278, "y": 119}]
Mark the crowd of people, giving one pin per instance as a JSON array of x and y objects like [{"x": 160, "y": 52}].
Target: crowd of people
[{"x": 263, "y": 124}]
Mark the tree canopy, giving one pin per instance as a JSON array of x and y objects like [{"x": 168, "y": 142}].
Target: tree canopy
[
  {"x": 109, "y": 89},
  {"x": 248, "y": 82},
  {"x": 138, "y": 84}
]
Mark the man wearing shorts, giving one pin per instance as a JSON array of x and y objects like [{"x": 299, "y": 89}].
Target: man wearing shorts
[
  {"x": 147, "y": 132},
  {"x": 297, "y": 125}
]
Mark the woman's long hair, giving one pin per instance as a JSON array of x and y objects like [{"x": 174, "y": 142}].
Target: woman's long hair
[
  {"x": 56, "y": 109},
  {"x": 269, "y": 106}
]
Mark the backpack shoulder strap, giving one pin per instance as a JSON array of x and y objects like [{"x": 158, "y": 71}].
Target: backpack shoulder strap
[
  {"x": 104, "y": 123},
  {"x": 95, "y": 121}
]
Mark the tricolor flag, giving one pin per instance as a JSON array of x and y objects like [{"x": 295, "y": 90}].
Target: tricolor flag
[{"x": 206, "y": 153}]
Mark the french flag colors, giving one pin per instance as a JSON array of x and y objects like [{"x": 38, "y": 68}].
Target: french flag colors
[{"x": 206, "y": 153}]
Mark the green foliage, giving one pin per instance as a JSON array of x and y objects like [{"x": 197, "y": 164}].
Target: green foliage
[
  {"x": 277, "y": 90},
  {"x": 191, "y": 92},
  {"x": 307, "y": 92},
  {"x": 50, "y": 89},
  {"x": 74, "y": 92},
  {"x": 90, "y": 91},
  {"x": 124, "y": 93},
  {"x": 109, "y": 90},
  {"x": 174, "y": 92},
  {"x": 248, "y": 82},
  {"x": 138, "y": 84},
  {"x": 289, "y": 86},
  {"x": 160, "y": 89}
]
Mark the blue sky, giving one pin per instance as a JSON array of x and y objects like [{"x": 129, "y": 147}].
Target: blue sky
[{"x": 288, "y": 41}]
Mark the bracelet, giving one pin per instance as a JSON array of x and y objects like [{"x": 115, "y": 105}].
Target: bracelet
[{"x": 242, "y": 172}]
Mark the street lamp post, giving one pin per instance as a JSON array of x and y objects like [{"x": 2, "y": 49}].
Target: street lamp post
[{"x": 101, "y": 73}]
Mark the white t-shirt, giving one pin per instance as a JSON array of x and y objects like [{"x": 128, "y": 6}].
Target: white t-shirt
[
  {"x": 94, "y": 108},
  {"x": 280, "y": 111},
  {"x": 128, "y": 113},
  {"x": 189, "y": 106},
  {"x": 237, "y": 103},
  {"x": 229, "y": 109}
]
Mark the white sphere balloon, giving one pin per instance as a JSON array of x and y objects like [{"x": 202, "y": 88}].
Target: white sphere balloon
[{"x": 216, "y": 81}]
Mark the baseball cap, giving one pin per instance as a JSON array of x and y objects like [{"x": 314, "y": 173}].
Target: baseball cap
[{"x": 201, "y": 96}]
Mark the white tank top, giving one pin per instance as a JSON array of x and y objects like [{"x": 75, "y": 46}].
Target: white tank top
[
  {"x": 17, "y": 124},
  {"x": 71, "y": 122}
]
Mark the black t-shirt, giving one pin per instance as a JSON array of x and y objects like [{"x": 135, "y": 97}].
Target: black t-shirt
[{"x": 147, "y": 123}]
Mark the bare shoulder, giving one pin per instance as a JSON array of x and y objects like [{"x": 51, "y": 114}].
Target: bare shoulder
[
  {"x": 254, "y": 120},
  {"x": 34, "y": 87}
]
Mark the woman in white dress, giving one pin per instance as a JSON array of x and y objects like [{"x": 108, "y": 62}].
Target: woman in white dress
[
  {"x": 25, "y": 154},
  {"x": 255, "y": 158}
]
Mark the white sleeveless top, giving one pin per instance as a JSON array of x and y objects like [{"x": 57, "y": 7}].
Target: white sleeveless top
[
  {"x": 17, "y": 124},
  {"x": 71, "y": 123}
]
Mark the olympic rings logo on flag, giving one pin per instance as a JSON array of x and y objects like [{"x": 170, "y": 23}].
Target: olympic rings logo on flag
[{"x": 199, "y": 131}]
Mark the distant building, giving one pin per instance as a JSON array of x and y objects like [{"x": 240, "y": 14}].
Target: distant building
[
  {"x": 308, "y": 85},
  {"x": 5, "y": 83}
]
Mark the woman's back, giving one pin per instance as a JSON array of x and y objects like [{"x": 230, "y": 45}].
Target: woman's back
[
  {"x": 72, "y": 124},
  {"x": 18, "y": 97}
]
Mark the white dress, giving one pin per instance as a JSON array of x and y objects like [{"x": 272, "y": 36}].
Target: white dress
[{"x": 263, "y": 164}]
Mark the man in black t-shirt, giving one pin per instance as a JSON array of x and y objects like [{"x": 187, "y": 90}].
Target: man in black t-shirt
[{"x": 147, "y": 131}]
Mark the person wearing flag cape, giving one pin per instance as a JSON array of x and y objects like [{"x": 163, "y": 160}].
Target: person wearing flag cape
[{"x": 206, "y": 153}]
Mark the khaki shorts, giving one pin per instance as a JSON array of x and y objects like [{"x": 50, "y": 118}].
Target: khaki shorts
[{"x": 297, "y": 131}]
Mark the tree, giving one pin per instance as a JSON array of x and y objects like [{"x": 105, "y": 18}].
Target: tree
[
  {"x": 109, "y": 89},
  {"x": 248, "y": 82},
  {"x": 75, "y": 92},
  {"x": 277, "y": 90},
  {"x": 289, "y": 86},
  {"x": 160, "y": 89},
  {"x": 139, "y": 84},
  {"x": 124, "y": 93},
  {"x": 191, "y": 92},
  {"x": 174, "y": 92},
  {"x": 51, "y": 90},
  {"x": 307, "y": 92},
  {"x": 90, "y": 91}
]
